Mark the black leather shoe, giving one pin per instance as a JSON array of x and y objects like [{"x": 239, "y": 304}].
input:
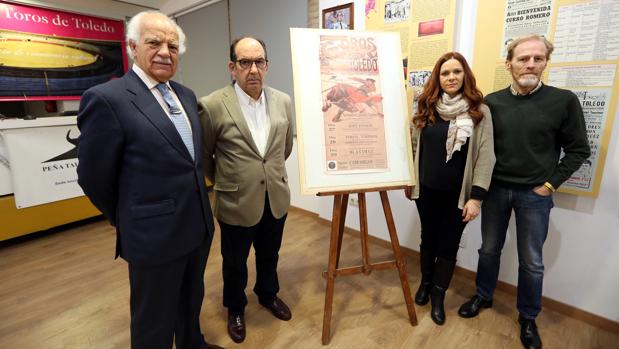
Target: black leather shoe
[
  {"x": 279, "y": 309},
  {"x": 528, "y": 334},
  {"x": 472, "y": 307},
  {"x": 423, "y": 293},
  {"x": 236, "y": 327}
]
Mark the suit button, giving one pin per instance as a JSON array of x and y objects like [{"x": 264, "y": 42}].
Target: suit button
[{"x": 261, "y": 182}]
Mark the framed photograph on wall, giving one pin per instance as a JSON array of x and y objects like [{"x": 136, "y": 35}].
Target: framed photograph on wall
[
  {"x": 351, "y": 113},
  {"x": 339, "y": 17}
]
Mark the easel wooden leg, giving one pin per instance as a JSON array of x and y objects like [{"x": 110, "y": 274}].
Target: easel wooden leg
[
  {"x": 344, "y": 207},
  {"x": 340, "y": 205},
  {"x": 401, "y": 265},
  {"x": 337, "y": 224},
  {"x": 363, "y": 224}
]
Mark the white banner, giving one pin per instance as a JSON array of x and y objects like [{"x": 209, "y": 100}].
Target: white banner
[
  {"x": 43, "y": 162},
  {"x": 5, "y": 171}
]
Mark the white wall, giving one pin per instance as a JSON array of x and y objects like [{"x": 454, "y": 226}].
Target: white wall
[
  {"x": 582, "y": 249},
  {"x": 180, "y": 7}
]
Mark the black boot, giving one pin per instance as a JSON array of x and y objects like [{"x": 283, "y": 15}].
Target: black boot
[
  {"x": 443, "y": 271},
  {"x": 426, "y": 262},
  {"x": 438, "y": 311},
  {"x": 423, "y": 292}
]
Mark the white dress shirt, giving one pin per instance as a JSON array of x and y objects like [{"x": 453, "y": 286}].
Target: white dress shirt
[
  {"x": 255, "y": 113},
  {"x": 151, "y": 85}
]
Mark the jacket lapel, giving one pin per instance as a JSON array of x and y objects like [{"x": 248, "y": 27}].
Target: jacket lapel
[
  {"x": 146, "y": 103},
  {"x": 231, "y": 103},
  {"x": 272, "y": 115}
]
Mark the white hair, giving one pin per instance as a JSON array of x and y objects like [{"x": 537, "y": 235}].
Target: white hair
[{"x": 133, "y": 30}]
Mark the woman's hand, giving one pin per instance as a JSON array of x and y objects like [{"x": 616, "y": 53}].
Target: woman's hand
[
  {"x": 408, "y": 192},
  {"x": 472, "y": 208}
]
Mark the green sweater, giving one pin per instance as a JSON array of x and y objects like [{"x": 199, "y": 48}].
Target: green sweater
[{"x": 531, "y": 130}]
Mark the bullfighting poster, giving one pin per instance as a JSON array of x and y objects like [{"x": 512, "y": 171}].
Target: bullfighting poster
[
  {"x": 50, "y": 54},
  {"x": 351, "y": 114},
  {"x": 352, "y": 105}
]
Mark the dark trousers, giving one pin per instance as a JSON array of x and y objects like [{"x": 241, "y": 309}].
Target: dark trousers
[
  {"x": 441, "y": 222},
  {"x": 166, "y": 301},
  {"x": 532, "y": 218},
  {"x": 236, "y": 241}
]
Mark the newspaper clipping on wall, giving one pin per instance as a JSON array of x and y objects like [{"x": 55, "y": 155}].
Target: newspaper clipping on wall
[
  {"x": 587, "y": 32},
  {"x": 526, "y": 17},
  {"x": 595, "y": 104}
]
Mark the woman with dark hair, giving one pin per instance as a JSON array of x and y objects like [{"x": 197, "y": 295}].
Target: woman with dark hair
[{"x": 454, "y": 158}]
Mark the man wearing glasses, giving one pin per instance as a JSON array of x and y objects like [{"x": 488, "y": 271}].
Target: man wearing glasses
[{"x": 247, "y": 139}]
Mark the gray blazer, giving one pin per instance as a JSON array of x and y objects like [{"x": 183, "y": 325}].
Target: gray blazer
[
  {"x": 241, "y": 176},
  {"x": 480, "y": 158}
]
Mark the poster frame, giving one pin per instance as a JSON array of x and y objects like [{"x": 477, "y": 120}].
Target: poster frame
[{"x": 311, "y": 144}]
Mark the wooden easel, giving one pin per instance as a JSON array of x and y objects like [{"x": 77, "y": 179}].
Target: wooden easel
[{"x": 340, "y": 204}]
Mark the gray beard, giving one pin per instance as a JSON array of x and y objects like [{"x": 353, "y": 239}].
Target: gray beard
[{"x": 528, "y": 81}]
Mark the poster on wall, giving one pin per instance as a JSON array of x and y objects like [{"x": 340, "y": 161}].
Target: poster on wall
[
  {"x": 578, "y": 23},
  {"x": 525, "y": 17},
  {"x": 50, "y": 54},
  {"x": 350, "y": 103},
  {"x": 426, "y": 29},
  {"x": 397, "y": 11},
  {"x": 594, "y": 104},
  {"x": 585, "y": 61},
  {"x": 43, "y": 162}
]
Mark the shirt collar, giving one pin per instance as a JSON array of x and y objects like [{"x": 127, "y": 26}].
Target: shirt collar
[
  {"x": 516, "y": 93},
  {"x": 148, "y": 81},
  {"x": 245, "y": 99}
]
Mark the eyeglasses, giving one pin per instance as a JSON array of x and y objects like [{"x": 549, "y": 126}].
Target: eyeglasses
[{"x": 261, "y": 63}]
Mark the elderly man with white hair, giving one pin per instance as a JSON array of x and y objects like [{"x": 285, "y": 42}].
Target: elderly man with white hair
[{"x": 140, "y": 168}]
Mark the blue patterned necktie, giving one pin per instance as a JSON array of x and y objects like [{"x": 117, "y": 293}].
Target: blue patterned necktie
[{"x": 176, "y": 115}]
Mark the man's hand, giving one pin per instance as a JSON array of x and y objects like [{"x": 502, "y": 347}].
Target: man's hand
[{"x": 542, "y": 191}]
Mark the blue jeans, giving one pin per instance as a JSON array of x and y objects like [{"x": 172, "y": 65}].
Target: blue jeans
[{"x": 532, "y": 215}]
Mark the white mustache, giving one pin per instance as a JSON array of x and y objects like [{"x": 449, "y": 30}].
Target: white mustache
[{"x": 164, "y": 61}]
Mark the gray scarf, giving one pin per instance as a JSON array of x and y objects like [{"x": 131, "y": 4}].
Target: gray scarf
[{"x": 456, "y": 111}]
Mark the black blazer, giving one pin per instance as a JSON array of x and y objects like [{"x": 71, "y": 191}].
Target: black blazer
[{"x": 135, "y": 168}]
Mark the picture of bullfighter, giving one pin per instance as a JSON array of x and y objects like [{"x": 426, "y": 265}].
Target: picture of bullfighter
[{"x": 353, "y": 99}]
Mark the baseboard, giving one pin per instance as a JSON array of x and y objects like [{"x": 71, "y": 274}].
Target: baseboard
[{"x": 559, "y": 307}]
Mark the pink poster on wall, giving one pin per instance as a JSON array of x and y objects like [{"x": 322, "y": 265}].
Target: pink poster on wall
[{"x": 51, "y": 54}]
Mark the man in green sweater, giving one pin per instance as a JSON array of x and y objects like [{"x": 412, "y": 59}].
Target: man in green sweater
[{"x": 533, "y": 122}]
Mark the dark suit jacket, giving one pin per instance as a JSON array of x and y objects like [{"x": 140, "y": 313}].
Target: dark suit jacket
[{"x": 135, "y": 168}]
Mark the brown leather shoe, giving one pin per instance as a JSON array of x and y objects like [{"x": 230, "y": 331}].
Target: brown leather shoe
[
  {"x": 236, "y": 327},
  {"x": 212, "y": 346},
  {"x": 279, "y": 309}
]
